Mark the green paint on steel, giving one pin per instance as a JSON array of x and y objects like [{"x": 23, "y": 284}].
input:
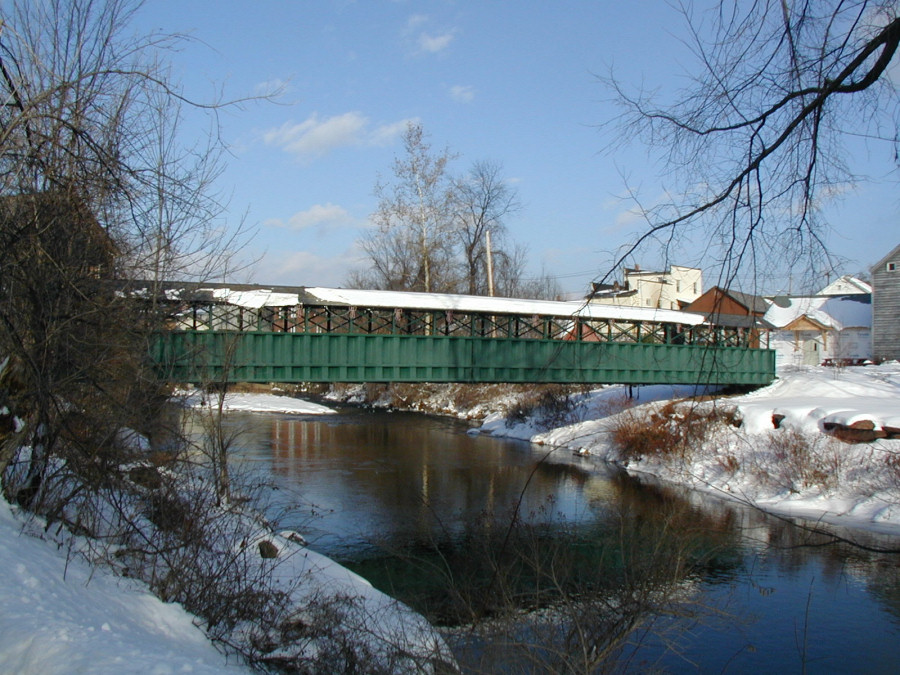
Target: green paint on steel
[{"x": 227, "y": 356}]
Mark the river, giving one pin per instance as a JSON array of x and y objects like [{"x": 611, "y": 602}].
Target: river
[{"x": 462, "y": 526}]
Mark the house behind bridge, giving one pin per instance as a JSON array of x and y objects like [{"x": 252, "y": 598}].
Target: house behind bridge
[
  {"x": 886, "y": 306},
  {"x": 674, "y": 288}
]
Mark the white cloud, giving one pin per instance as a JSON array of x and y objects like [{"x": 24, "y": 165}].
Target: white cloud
[
  {"x": 320, "y": 215},
  {"x": 304, "y": 268},
  {"x": 426, "y": 42},
  {"x": 315, "y": 137},
  {"x": 416, "y": 20},
  {"x": 463, "y": 94},
  {"x": 629, "y": 217},
  {"x": 435, "y": 43}
]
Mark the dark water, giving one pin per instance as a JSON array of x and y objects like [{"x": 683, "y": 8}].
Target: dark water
[{"x": 411, "y": 502}]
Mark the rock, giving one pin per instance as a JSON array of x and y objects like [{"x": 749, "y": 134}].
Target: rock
[
  {"x": 855, "y": 435},
  {"x": 267, "y": 549}
]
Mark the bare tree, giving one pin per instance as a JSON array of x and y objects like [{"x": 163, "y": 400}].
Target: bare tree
[
  {"x": 93, "y": 191},
  {"x": 757, "y": 138},
  {"x": 483, "y": 199},
  {"x": 510, "y": 278},
  {"x": 410, "y": 249}
]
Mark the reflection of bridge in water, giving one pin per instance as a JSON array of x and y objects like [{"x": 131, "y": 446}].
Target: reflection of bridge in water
[{"x": 253, "y": 334}]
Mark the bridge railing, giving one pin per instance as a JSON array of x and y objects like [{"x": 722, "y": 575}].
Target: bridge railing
[
  {"x": 315, "y": 319},
  {"x": 213, "y": 341}
]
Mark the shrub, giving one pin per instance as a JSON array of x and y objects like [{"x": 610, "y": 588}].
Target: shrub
[
  {"x": 802, "y": 460},
  {"x": 548, "y": 406},
  {"x": 892, "y": 462},
  {"x": 672, "y": 430}
]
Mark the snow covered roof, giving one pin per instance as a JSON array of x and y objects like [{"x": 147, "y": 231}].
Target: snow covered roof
[
  {"x": 254, "y": 299},
  {"x": 484, "y": 304},
  {"x": 832, "y": 311},
  {"x": 846, "y": 285}
]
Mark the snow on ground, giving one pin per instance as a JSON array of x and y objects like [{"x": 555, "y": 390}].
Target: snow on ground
[
  {"x": 256, "y": 402},
  {"x": 856, "y": 484},
  {"x": 62, "y": 616},
  {"x": 588, "y": 408},
  {"x": 388, "y": 633}
]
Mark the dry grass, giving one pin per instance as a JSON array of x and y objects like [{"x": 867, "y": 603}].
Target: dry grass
[
  {"x": 803, "y": 460},
  {"x": 729, "y": 463},
  {"x": 892, "y": 462},
  {"x": 548, "y": 406},
  {"x": 670, "y": 431}
]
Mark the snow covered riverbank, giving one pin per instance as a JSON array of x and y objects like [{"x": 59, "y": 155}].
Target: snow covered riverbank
[
  {"x": 62, "y": 614},
  {"x": 818, "y": 477},
  {"x": 256, "y": 402}
]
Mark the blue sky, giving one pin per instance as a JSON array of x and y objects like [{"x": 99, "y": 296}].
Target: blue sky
[{"x": 513, "y": 82}]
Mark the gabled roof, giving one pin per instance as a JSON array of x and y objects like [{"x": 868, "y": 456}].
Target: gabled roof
[
  {"x": 846, "y": 285},
  {"x": 895, "y": 253},
  {"x": 829, "y": 311},
  {"x": 804, "y": 323},
  {"x": 754, "y": 303}
]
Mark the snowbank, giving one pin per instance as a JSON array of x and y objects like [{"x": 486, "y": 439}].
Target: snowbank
[
  {"x": 265, "y": 403},
  {"x": 383, "y": 631},
  {"x": 855, "y": 484},
  {"x": 63, "y": 616}
]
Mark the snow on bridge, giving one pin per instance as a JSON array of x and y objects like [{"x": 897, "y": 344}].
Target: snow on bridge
[{"x": 355, "y": 335}]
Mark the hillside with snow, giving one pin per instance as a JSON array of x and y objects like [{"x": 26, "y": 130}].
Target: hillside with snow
[
  {"x": 61, "y": 615},
  {"x": 798, "y": 468}
]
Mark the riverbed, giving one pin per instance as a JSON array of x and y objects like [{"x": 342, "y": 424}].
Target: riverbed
[{"x": 426, "y": 511}]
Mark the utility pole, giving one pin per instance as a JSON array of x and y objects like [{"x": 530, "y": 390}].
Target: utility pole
[{"x": 490, "y": 262}]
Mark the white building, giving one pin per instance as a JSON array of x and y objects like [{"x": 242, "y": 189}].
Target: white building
[
  {"x": 674, "y": 289},
  {"x": 810, "y": 329},
  {"x": 846, "y": 285}
]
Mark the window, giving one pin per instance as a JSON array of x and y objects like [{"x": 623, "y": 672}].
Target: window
[{"x": 891, "y": 267}]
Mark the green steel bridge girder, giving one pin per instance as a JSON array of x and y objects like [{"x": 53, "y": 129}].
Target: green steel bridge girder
[{"x": 228, "y": 356}]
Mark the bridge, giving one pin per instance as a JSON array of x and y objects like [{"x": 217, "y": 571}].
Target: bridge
[{"x": 241, "y": 333}]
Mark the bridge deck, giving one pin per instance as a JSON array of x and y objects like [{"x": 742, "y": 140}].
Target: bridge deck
[{"x": 321, "y": 336}]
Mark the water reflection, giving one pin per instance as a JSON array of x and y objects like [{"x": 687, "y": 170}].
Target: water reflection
[
  {"x": 386, "y": 479},
  {"x": 396, "y": 494}
]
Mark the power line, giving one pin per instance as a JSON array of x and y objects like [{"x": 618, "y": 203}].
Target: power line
[{"x": 570, "y": 275}]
